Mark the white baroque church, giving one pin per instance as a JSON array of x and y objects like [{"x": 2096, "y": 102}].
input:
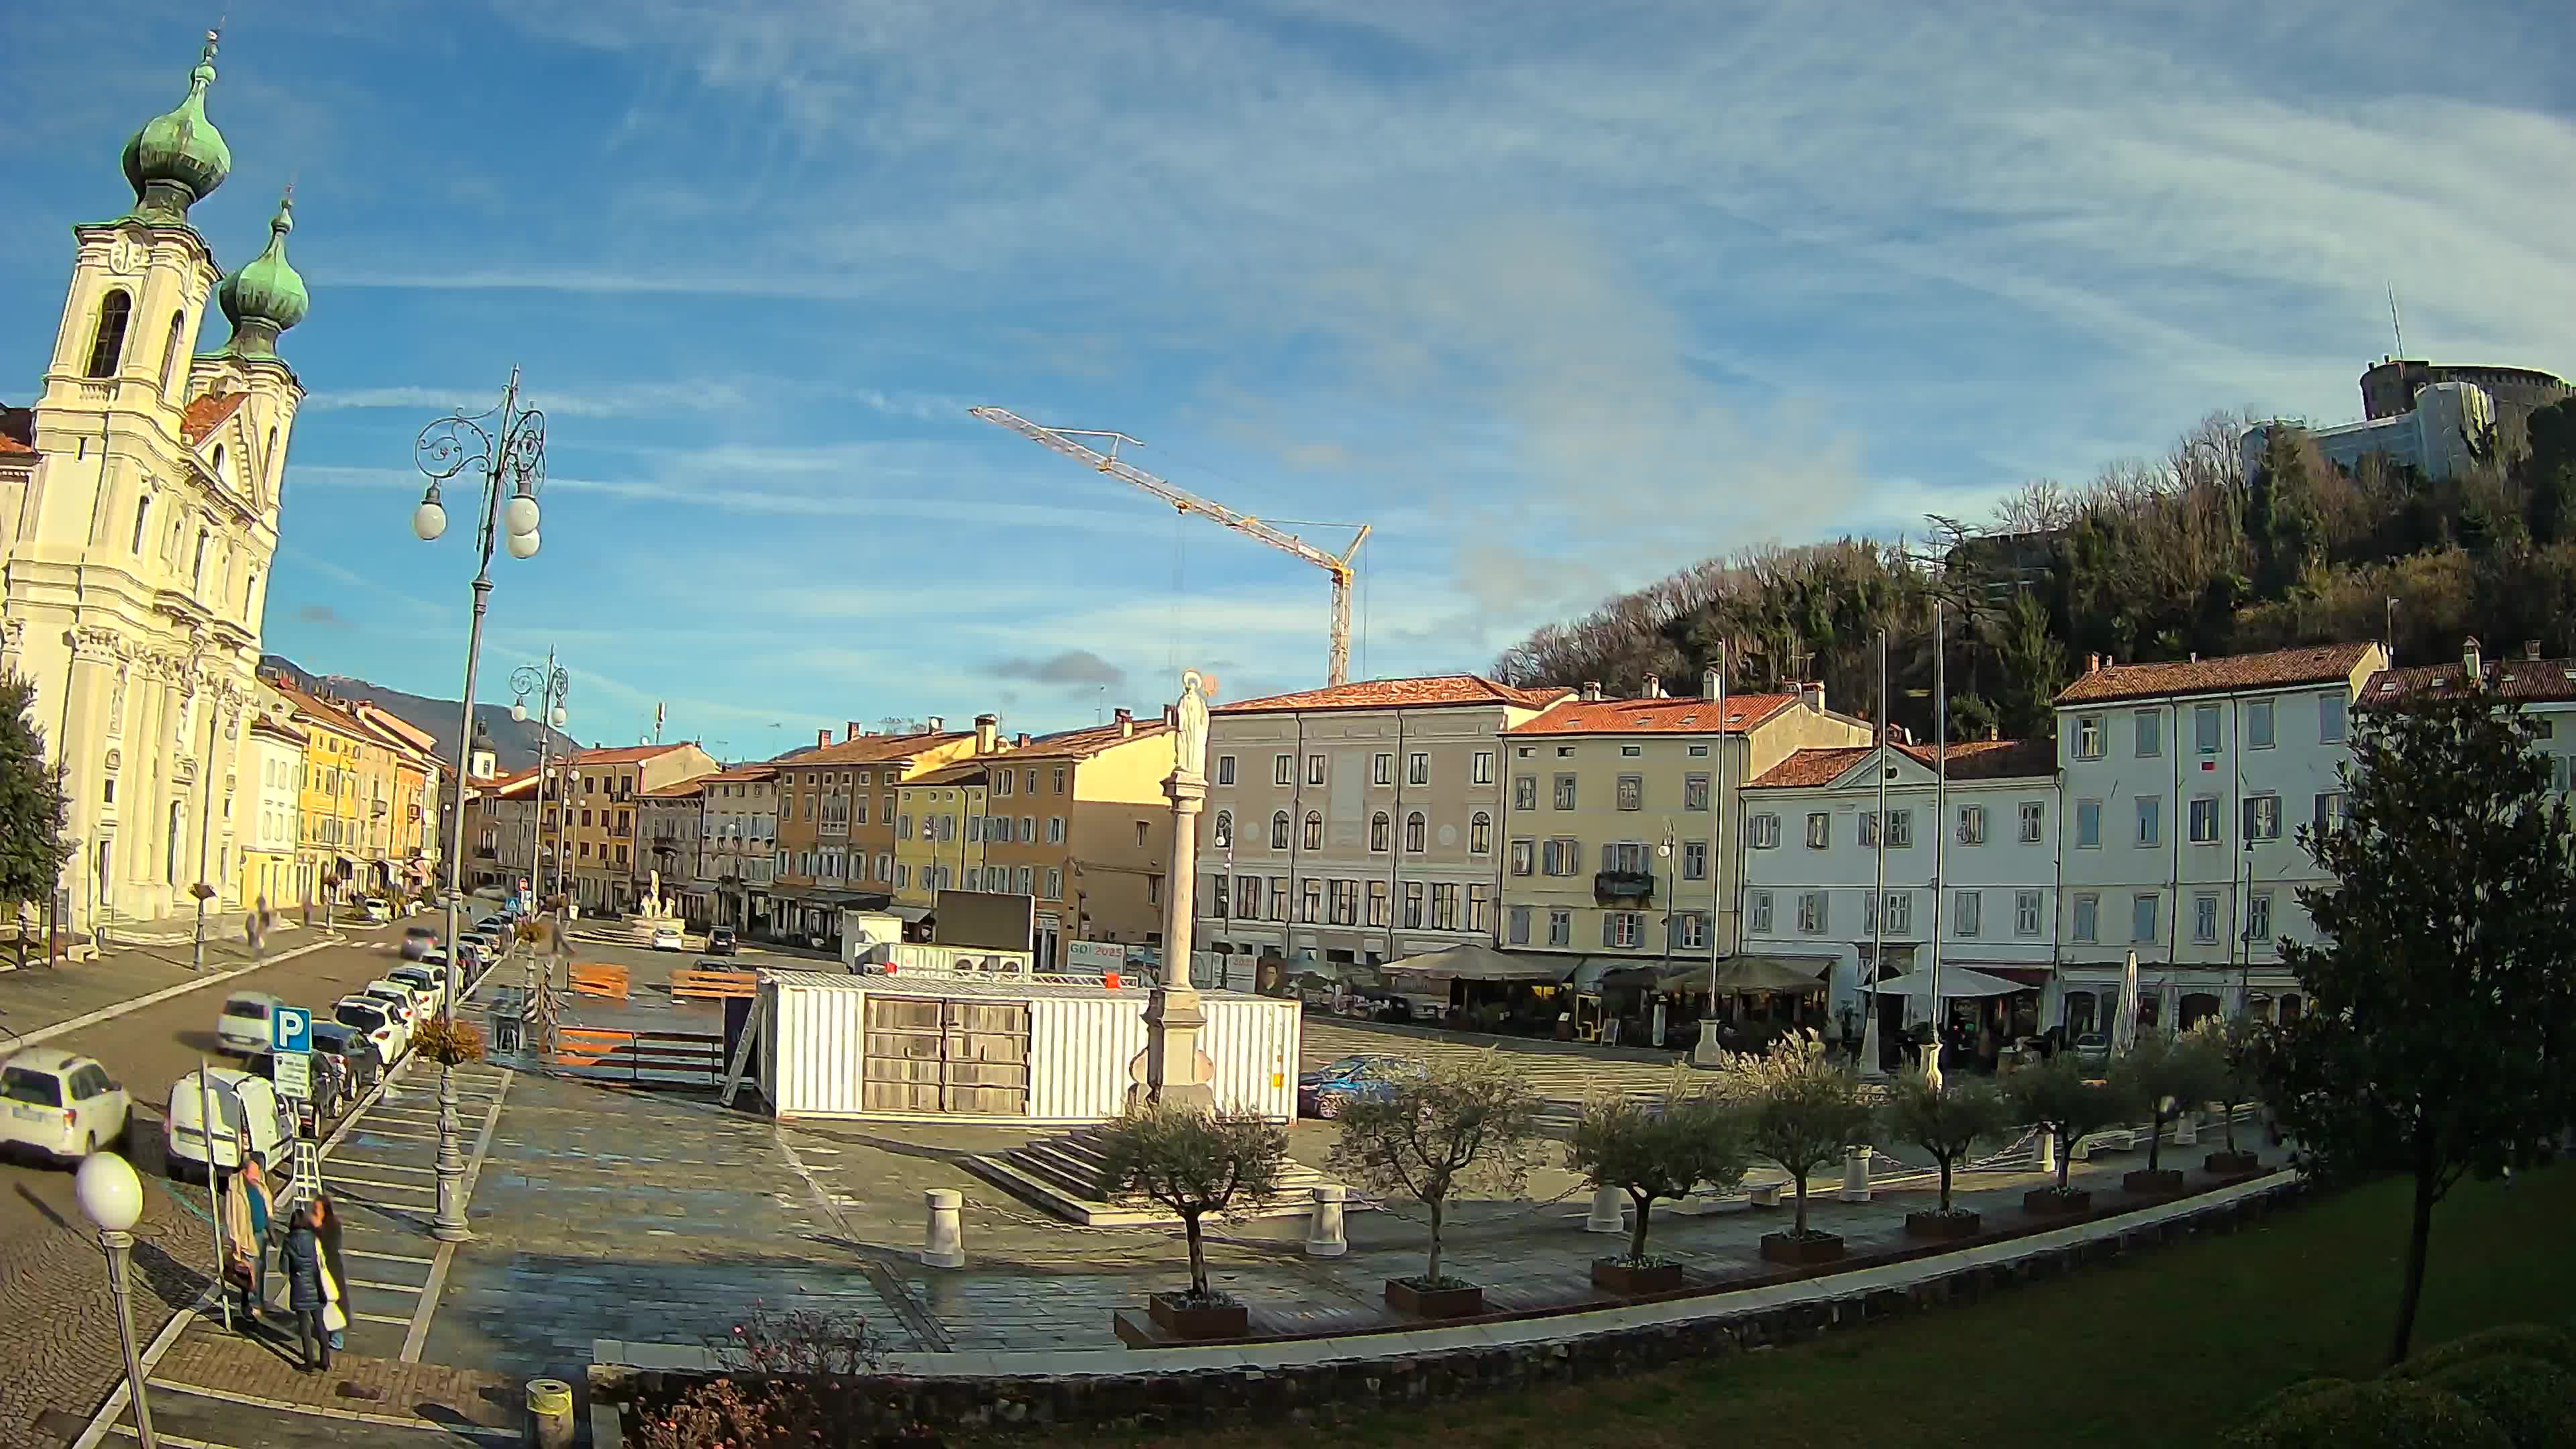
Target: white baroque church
[{"x": 140, "y": 500}]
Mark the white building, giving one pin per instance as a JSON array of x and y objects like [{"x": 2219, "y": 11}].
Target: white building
[
  {"x": 274, "y": 758},
  {"x": 1813, "y": 842},
  {"x": 2543, "y": 689},
  {"x": 144, "y": 488},
  {"x": 2185, "y": 785},
  {"x": 1347, "y": 818},
  {"x": 740, "y": 845}
]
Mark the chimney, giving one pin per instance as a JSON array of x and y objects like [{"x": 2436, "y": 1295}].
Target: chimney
[
  {"x": 1814, "y": 695},
  {"x": 2531, "y": 649},
  {"x": 1171, "y": 718},
  {"x": 2472, "y": 663},
  {"x": 1592, "y": 691},
  {"x": 2092, "y": 663},
  {"x": 1020, "y": 741},
  {"x": 1125, "y": 719},
  {"x": 853, "y": 730},
  {"x": 988, "y": 730},
  {"x": 1711, "y": 684},
  {"x": 937, "y": 724},
  {"x": 822, "y": 738},
  {"x": 1654, "y": 686}
]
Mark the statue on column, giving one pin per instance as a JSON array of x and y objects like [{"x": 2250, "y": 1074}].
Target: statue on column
[{"x": 1172, "y": 1069}]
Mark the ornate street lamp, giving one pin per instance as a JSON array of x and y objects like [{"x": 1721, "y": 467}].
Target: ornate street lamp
[
  {"x": 506, "y": 448},
  {"x": 112, "y": 1197},
  {"x": 550, "y": 685}
]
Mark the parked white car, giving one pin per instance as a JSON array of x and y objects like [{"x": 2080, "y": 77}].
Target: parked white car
[
  {"x": 377, "y": 912},
  {"x": 667, "y": 938},
  {"x": 242, "y": 1029},
  {"x": 428, "y": 984},
  {"x": 61, "y": 1104},
  {"x": 245, "y": 1106},
  {"x": 375, "y": 1020}
]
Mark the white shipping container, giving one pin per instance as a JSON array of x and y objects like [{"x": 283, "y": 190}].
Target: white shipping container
[{"x": 1080, "y": 1040}]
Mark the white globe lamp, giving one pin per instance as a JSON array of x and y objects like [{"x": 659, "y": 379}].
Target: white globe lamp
[
  {"x": 110, "y": 1194},
  {"x": 428, "y": 521},
  {"x": 519, "y": 515},
  {"x": 523, "y": 545}
]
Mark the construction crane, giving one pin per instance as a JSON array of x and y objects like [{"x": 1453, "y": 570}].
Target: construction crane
[{"x": 1335, "y": 566}]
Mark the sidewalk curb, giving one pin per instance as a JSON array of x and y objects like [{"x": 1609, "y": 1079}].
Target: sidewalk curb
[{"x": 154, "y": 998}]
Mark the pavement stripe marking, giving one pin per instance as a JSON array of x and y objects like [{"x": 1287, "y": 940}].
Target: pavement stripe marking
[
  {"x": 105, "y": 1419},
  {"x": 412, "y": 1187},
  {"x": 386, "y": 1287},
  {"x": 176, "y": 1441},
  {"x": 383, "y": 1317},
  {"x": 111, "y": 1013},
  {"x": 353, "y": 1416},
  {"x": 386, "y": 1257},
  {"x": 383, "y": 1166},
  {"x": 418, "y": 1334}
]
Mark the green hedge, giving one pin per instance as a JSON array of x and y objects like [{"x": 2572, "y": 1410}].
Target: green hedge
[
  {"x": 2386, "y": 1414},
  {"x": 2530, "y": 1340},
  {"x": 2533, "y": 1401}
]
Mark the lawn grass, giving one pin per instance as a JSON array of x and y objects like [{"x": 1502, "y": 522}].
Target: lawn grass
[{"x": 2165, "y": 1348}]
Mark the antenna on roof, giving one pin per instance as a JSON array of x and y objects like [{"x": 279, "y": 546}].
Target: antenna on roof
[{"x": 2396, "y": 324}]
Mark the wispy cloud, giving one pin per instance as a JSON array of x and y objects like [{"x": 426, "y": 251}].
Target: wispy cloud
[
  {"x": 714, "y": 397},
  {"x": 1072, "y": 668}
]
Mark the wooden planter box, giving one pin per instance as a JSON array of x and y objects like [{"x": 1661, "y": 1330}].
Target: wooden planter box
[
  {"x": 2232, "y": 1164},
  {"x": 1630, "y": 1281},
  {"x": 1960, "y": 1224},
  {"x": 2161, "y": 1182},
  {"x": 1460, "y": 1302},
  {"x": 2048, "y": 1202},
  {"x": 1191, "y": 1320},
  {"x": 1814, "y": 1248}
]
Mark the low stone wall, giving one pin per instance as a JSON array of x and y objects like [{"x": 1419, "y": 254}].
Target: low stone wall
[{"x": 1313, "y": 1379}]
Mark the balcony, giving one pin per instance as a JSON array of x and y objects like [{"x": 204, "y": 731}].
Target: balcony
[{"x": 1623, "y": 885}]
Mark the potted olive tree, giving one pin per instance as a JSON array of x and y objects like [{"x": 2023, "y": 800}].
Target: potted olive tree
[
  {"x": 2166, "y": 1077},
  {"x": 2056, "y": 1098},
  {"x": 1192, "y": 1163},
  {"x": 1686, "y": 1143},
  {"x": 1949, "y": 1120},
  {"x": 1468, "y": 1126},
  {"x": 1800, "y": 1109},
  {"x": 2237, "y": 1045}
]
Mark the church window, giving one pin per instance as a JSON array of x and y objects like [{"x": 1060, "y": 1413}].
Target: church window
[
  {"x": 142, "y": 516},
  {"x": 107, "y": 349},
  {"x": 197, "y": 573},
  {"x": 170, "y": 352},
  {"x": 219, "y": 462}
]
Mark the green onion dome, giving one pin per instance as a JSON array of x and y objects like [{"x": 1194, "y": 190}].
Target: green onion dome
[
  {"x": 177, "y": 159},
  {"x": 265, "y": 297}
]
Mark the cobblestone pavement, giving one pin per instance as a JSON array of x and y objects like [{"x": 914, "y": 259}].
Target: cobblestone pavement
[
  {"x": 1563, "y": 1076},
  {"x": 58, "y": 1335},
  {"x": 235, "y": 1391}
]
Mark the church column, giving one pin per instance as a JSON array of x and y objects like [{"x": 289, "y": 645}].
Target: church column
[{"x": 82, "y": 752}]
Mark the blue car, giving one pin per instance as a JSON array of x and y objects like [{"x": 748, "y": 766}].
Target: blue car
[{"x": 1322, "y": 1093}]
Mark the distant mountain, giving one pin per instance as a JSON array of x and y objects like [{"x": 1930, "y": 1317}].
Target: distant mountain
[{"x": 514, "y": 744}]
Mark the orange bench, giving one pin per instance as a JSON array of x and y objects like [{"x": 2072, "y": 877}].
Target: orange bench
[
  {"x": 691, "y": 984},
  {"x": 606, "y": 982}
]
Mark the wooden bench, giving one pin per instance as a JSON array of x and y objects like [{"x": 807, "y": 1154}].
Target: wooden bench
[
  {"x": 692, "y": 984},
  {"x": 1766, "y": 1194},
  {"x": 606, "y": 982}
]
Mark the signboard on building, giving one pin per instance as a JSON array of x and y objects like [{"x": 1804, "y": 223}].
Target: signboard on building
[
  {"x": 988, "y": 920},
  {"x": 1094, "y": 958}
]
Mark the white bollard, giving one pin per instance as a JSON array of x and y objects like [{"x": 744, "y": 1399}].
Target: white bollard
[
  {"x": 2187, "y": 1128},
  {"x": 943, "y": 1243},
  {"x": 1609, "y": 1211},
  {"x": 2047, "y": 1151},
  {"x": 1325, "y": 1237},
  {"x": 1855, "y": 1174}
]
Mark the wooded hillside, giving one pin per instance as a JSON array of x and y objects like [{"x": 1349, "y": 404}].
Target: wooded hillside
[{"x": 2153, "y": 560}]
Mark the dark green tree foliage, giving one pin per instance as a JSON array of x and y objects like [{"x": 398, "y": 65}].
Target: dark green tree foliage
[
  {"x": 2443, "y": 997},
  {"x": 1689, "y": 1142},
  {"x": 1948, "y": 1121},
  {"x": 2383, "y": 1414},
  {"x": 2058, "y": 1098},
  {"x": 2282, "y": 523},
  {"x": 2547, "y": 474},
  {"x": 32, "y": 848}
]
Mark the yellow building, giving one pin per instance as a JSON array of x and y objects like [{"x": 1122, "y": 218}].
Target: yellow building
[
  {"x": 1079, "y": 821},
  {"x": 411, "y": 759},
  {"x": 269, "y": 829},
  {"x": 939, "y": 833},
  {"x": 331, "y": 829},
  {"x": 836, "y": 843}
]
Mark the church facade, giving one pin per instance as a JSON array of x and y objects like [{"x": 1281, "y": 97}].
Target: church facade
[{"x": 140, "y": 496}]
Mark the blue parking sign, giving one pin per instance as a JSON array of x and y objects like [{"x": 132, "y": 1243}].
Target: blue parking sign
[{"x": 290, "y": 1029}]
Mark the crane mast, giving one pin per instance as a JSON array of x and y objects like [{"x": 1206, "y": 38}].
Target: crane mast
[{"x": 1336, "y": 567}]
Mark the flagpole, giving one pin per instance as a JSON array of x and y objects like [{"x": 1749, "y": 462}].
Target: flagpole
[
  {"x": 1940, "y": 823},
  {"x": 1869, "y": 1049}
]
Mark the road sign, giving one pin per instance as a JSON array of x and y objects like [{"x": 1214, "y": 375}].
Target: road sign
[
  {"x": 293, "y": 1073},
  {"x": 290, "y": 1029}
]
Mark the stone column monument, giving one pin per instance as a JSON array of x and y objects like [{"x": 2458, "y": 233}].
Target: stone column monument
[{"x": 1172, "y": 1068}]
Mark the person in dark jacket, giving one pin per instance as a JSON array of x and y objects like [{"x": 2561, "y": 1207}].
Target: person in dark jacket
[
  {"x": 326, "y": 1229},
  {"x": 305, "y": 1270}
]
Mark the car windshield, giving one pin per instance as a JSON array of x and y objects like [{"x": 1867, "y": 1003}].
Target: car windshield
[
  {"x": 22, "y": 1084},
  {"x": 364, "y": 1018},
  {"x": 329, "y": 1038},
  {"x": 249, "y": 1008}
]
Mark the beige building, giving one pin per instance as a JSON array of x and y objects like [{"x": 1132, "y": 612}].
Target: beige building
[
  {"x": 837, "y": 824},
  {"x": 601, "y": 806},
  {"x": 1622, "y": 825},
  {"x": 1358, "y": 823},
  {"x": 142, "y": 489},
  {"x": 1078, "y": 821}
]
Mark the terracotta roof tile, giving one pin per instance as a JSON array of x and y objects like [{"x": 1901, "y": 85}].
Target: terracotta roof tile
[
  {"x": 963, "y": 772},
  {"x": 744, "y": 774},
  {"x": 2526, "y": 681},
  {"x": 1084, "y": 743},
  {"x": 11, "y": 447},
  {"x": 1428, "y": 692},
  {"x": 871, "y": 750},
  {"x": 205, "y": 414},
  {"x": 1969, "y": 760},
  {"x": 680, "y": 791},
  {"x": 1688, "y": 715},
  {"x": 624, "y": 754},
  {"x": 2279, "y": 669}
]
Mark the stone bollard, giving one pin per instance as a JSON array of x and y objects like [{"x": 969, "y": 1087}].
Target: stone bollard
[
  {"x": 2187, "y": 1128},
  {"x": 1609, "y": 1212},
  {"x": 1855, "y": 1174},
  {"x": 549, "y": 1421},
  {"x": 943, "y": 1239},
  {"x": 1324, "y": 1235},
  {"x": 2047, "y": 1151}
]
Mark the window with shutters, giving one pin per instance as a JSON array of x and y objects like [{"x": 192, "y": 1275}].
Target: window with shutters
[
  {"x": 1381, "y": 832},
  {"x": 1413, "y": 904},
  {"x": 1480, "y": 834},
  {"x": 1313, "y": 903},
  {"x": 1972, "y": 825},
  {"x": 1762, "y": 832},
  {"x": 1377, "y": 903},
  {"x": 2329, "y": 811},
  {"x": 1416, "y": 831},
  {"x": 1693, "y": 931},
  {"x": 1524, "y": 856},
  {"x": 2034, "y": 821},
  {"x": 1632, "y": 792},
  {"x": 1314, "y": 832},
  {"x": 1900, "y": 829},
  {"x": 1757, "y": 912},
  {"x": 1444, "y": 906},
  {"x": 2027, "y": 906},
  {"x": 2085, "y": 913},
  {"x": 1694, "y": 860},
  {"x": 2204, "y": 918},
  {"x": 1694, "y": 792},
  {"x": 2204, "y": 820},
  {"x": 1629, "y": 857},
  {"x": 1622, "y": 929},
  {"x": 1417, "y": 769},
  {"x": 1382, "y": 769},
  {"x": 2088, "y": 737},
  {"x": 1560, "y": 928},
  {"x": 1525, "y": 792},
  {"x": 1283, "y": 770},
  {"x": 1813, "y": 915},
  {"x": 1565, "y": 792},
  {"x": 1967, "y": 912},
  {"x": 2258, "y": 918},
  {"x": 2262, "y": 817},
  {"x": 1516, "y": 927},
  {"x": 1820, "y": 831}
]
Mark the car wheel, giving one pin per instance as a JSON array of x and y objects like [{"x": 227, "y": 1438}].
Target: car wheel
[{"x": 1328, "y": 1107}]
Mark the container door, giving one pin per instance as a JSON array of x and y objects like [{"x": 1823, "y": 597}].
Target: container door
[
  {"x": 986, "y": 1057},
  {"x": 900, "y": 1063}
]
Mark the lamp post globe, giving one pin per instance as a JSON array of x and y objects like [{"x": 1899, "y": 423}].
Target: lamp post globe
[
  {"x": 428, "y": 521},
  {"x": 523, "y": 545},
  {"x": 518, "y": 711},
  {"x": 519, "y": 515},
  {"x": 559, "y": 717},
  {"x": 110, "y": 1193}
]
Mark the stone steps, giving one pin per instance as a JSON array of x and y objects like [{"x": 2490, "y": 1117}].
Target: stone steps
[{"x": 1060, "y": 1174}]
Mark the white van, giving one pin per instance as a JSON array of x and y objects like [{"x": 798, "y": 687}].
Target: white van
[
  {"x": 243, "y": 1103},
  {"x": 243, "y": 1028}
]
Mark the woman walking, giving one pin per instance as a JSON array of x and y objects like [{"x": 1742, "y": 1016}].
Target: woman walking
[
  {"x": 247, "y": 1206},
  {"x": 326, "y": 1229},
  {"x": 308, "y": 1278}
]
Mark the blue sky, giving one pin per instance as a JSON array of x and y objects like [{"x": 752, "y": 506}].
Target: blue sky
[{"x": 1558, "y": 297}]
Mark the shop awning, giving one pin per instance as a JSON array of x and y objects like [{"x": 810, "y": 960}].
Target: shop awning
[
  {"x": 1956, "y": 981},
  {"x": 1594, "y": 972},
  {"x": 909, "y": 915},
  {"x": 1754, "y": 975},
  {"x": 1472, "y": 962}
]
